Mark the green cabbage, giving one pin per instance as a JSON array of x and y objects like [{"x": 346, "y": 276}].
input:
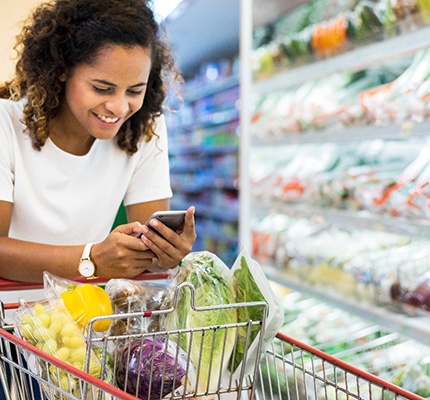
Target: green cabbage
[{"x": 209, "y": 350}]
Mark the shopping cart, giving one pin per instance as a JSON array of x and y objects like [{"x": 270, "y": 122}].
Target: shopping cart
[
  {"x": 293, "y": 370},
  {"x": 287, "y": 370}
]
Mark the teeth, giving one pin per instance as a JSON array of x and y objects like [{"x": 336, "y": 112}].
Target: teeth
[{"x": 107, "y": 119}]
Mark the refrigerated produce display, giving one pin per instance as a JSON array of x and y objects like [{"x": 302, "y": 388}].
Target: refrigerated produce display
[
  {"x": 203, "y": 153},
  {"x": 339, "y": 166}
]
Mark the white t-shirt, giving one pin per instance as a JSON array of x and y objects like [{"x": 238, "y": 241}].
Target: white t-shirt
[{"x": 61, "y": 198}]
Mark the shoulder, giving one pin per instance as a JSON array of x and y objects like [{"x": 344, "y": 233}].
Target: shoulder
[
  {"x": 158, "y": 140},
  {"x": 160, "y": 125},
  {"x": 11, "y": 111},
  {"x": 12, "y": 107},
  {"x": 161, "y": 129}
]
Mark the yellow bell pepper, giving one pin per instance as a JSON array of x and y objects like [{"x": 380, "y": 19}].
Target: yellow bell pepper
[{"x": 85, "y": 302}]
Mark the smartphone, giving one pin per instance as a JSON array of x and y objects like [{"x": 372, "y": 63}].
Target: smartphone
[{"x": 173, "y": 219}]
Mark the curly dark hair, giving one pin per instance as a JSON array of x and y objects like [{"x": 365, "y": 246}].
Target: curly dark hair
[{"x": 62, "y": 34}]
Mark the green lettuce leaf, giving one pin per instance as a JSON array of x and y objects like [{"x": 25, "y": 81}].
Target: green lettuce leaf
[
  {"x": 247, "y": 290},
  {"x": 209, "y": 350}
]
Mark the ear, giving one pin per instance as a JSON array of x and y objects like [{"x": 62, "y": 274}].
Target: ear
[{"x": 63, "y": 77}]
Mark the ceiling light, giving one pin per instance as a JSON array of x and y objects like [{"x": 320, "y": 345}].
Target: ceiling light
[{"x": 162, "y": 8}]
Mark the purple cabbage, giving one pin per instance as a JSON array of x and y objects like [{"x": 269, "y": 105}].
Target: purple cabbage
[{"x": 151, "y": 368}]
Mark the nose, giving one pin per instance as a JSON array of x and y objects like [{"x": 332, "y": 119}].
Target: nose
[{"x": 118, "y": 105}]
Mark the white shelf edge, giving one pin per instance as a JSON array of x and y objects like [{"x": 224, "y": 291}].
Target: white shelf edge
[
  {"x": 358, "y": 219},
  {"x": 407, "y": 130},
  {"x": 355, "y": 60},
  {"x": 417, "y": 328}
]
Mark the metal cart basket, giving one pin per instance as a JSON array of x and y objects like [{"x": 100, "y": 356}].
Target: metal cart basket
[{"x": 287, "y": 370}]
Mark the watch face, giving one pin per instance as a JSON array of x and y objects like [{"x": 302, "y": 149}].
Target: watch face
[{"x": 86, "y": 268}]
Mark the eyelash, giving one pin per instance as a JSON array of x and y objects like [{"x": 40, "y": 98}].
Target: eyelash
[{"x": 108, "y": 90}]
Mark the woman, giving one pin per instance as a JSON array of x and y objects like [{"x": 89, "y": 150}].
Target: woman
[{"x": 81, "y": 130}]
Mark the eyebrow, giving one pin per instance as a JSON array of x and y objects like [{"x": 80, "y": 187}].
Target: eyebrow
[{"x": 112, "y": 84}]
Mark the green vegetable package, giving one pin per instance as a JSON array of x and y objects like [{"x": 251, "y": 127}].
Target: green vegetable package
[
  {"x": 208, "y": 349},
  {"x": 221, "y": 349}
]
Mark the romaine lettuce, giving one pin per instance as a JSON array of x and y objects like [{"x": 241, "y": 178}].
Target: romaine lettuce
[{"x": 210, "y": 349}]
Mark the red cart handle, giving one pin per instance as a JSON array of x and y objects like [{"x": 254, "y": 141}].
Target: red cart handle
[
  {"x": 6, "y": 284},
  {"x": 349, "y": 368}
]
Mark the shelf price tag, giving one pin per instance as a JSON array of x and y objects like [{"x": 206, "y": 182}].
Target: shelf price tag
[{"x": 406, "y": 128}]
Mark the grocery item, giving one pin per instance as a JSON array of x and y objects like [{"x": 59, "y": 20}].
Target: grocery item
[
  {"x": 86, "y": 301},
  {"x": 152, "y": 367},
  {"x": 252, "y": 285},
  {"x": 419, "y": 296},
  {"x": 130, "y": 296},
  {"x": 49, "y": 326},
  {"x": 213, "y": 286}
]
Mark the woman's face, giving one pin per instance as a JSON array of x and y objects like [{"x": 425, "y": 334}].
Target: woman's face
[{"x": 101, "y": 96}]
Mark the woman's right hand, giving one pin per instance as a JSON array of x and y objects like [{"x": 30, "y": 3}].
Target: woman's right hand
[{"x": 122, "y": 254}]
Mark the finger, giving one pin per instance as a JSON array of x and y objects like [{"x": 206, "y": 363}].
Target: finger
[
  {"x": 166, "y": 253},
  {"x": 131, "y": 228},
  {"x": 189, "y": 224},
  {"x": 146, "y": 255}
]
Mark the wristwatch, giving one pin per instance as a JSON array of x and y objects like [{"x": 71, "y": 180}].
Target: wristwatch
[{"x": 86, "y": 266}]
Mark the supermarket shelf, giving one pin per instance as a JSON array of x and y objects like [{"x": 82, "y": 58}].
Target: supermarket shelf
[
  {"x": 407, "y": 130},
  {"x": 265, "y": 12},
  {"x": 224, "y": 214},
  {"x": 196, "y": 91},
  {"x": 358, "y": 59},
  {"x": 205, "y": 183},
  {"x": 416, "y": 327},
  {"x": 203, "y": 149},
  {"x": 220, "y": 238},
  {"x": 346, "y": 218}
]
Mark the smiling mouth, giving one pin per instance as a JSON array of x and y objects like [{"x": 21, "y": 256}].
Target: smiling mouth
[{"x": 108, "y": 120}]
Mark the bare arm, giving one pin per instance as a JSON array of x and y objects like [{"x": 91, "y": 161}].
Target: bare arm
[
  {"x": 25, "y": 261},
  {"x": 120, "y": 255}
]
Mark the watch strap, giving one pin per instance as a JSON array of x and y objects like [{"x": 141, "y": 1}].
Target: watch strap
[
  {"x": 85, "y": 258},
  {"x": 87, "y": 251}
]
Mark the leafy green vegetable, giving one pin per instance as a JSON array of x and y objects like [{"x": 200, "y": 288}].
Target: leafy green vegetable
[
  {"x": 247, "y": 290},
  {"x": 209, "y": 350},
  {"x": 415, "y": 378}
]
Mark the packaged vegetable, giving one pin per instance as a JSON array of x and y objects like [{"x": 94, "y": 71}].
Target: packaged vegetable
[
  {"x": 128, "y": 296},
  {"x": 209, "y": 349},
  {"x": 415, "y": 377},
  {"x": 152, "y": 367},
  {"x": 48, "y": 325},
  {"x": 84, "y": 301},
  {"x": 252, "y": 286}
]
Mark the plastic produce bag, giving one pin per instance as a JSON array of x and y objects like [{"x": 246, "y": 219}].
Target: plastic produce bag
[
  {"x": 216, "y": 284},
  {"x": 84, "y": 301},
  {"x": 251, "y": 285},
  {"x": 415, "y": 377},
  {"x": 209, "y": 349},
  {"x": 48, "y": 325},
  {"x": 128, "y": 296}
]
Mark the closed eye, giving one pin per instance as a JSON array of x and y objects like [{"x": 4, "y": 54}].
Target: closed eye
[
  {"x": 135, "y": 92},
  {"x": 110, "y": 90},
  {"x": 102, "y": 90}
]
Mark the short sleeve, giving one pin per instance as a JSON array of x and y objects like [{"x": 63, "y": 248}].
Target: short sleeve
[
  {"x": 151, "y": 178},
  {"x": 7, "y": 161}
]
